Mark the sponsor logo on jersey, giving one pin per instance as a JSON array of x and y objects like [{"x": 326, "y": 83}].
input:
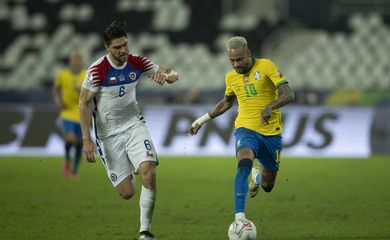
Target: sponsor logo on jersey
[
  {"x": 257, "y": 75},
  {"x": 121, "y": 78},
  {"x": 132, "y": 75}
]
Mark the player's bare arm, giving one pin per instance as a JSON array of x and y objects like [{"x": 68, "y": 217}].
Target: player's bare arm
[
  {"x": 286, "y": 96},
  {"x": 89, "y": 147},
  {"x": 164, "y": 75},
  {"x": 222, "y": 106}
]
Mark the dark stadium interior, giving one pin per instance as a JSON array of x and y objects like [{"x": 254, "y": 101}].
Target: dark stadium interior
[{"x": 189, "y": 35}]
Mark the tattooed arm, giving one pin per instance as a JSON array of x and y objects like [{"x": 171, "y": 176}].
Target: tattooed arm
[
  {"x": 222, "y": 106},
  {"x": 286, "y": 96}
]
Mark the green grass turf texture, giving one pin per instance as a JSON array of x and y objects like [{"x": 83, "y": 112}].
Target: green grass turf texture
[{"x": 313, "y": 199}]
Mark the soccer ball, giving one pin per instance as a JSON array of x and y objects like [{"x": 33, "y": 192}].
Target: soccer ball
[{"x": 242, "y": 229}]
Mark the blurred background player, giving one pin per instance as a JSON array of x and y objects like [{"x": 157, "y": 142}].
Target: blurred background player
[
  {"x": 66, "y": 92},
  {"x": 122, "y": 139},
  {"x": 260, "y": 90}
]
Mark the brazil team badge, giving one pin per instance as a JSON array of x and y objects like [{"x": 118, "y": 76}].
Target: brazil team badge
[{"x": 257, "y": 75}]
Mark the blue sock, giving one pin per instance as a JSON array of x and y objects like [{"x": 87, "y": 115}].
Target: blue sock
[
  {"x": 241, "y": 184},
  {"x": 68, "y": 146},
  {"x": 77, "y": 156}
]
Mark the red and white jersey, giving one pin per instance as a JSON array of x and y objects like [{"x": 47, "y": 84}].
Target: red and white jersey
[{"x": 115, "y": 105}]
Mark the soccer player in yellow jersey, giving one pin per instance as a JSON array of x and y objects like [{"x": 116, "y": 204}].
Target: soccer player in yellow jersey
[
  {"x": 67, "y": 88},
  {"x": 261, "y": 90}
]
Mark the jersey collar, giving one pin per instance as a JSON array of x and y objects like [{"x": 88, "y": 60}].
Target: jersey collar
[{"x": 113, "y": 65}]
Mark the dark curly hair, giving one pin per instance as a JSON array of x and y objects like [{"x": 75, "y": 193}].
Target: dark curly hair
[{"x": 114, "y": 31}]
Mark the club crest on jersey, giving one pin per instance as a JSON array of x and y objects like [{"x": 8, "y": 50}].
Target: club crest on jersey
[
  {"x": 121, "y": 78},
  {"x": 132, "y": 75},
  {"x": 246, "y": 79},
  {"x": 257, "y": 75}
]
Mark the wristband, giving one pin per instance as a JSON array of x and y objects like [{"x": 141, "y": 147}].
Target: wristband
[{"x": 200, "y": 121}]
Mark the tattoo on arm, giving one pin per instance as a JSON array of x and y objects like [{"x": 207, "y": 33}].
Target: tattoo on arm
[
  {"x": 286, "y": 96},
  {"x": 222, "y": 106}
]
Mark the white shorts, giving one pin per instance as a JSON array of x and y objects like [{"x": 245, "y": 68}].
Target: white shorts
[{"x": 123, "y": 153}]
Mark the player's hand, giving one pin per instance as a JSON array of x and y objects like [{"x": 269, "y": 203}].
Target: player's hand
[
  {"x": 266, "y": 115},
  {"x": 197, "y": 124},
  {"x": 89, "y": 150},
  {"x": 194, "y": 128},
  {"x": 159, "y": 78}
]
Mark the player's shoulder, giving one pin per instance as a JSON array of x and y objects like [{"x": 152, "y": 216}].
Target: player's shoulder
[
  {"x": 135, "y": 59},
  {"x": 231, "y": 74},
  {"x": 264, "y": 61},
  {"x": 140, "y": 62},
  {"x": 99, "y": 69},
  {"x": 99, "y": 63},
  {"x": 63, "y": 71}
]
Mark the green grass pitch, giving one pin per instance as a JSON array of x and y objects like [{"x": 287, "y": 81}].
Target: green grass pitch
[{"x": 313, "y": 199}]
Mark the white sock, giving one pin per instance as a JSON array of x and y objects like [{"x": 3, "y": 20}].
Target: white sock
[
  {"x": 239, "y": 215},
  {"x": 258, "y": 179},
  {"x": 146, "y": 204}
]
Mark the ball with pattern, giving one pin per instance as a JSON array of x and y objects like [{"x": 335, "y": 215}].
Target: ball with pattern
[{"x": 242, "y": 229}]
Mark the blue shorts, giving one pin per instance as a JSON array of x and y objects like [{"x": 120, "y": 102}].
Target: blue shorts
[
  {"x": 266, "y": 148},
  {"x": 71, "y": 127}
]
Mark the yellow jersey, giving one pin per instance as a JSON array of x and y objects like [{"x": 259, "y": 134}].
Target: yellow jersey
[
  {"x": 70, "y": 85},
  {"x": 254, "y": 90}
]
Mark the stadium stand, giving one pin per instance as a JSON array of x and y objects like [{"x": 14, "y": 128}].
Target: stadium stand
[{"x": 343, "y": 49}]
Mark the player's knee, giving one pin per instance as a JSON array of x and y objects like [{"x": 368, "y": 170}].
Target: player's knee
[
  {"x": 126, "y": 195},
  {"x": 267, "y": 188},
  {"x": 246, "y": 153}
]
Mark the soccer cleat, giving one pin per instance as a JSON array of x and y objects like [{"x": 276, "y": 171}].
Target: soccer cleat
[
  {"x": 253, "y": 188},
  {"x": 146, "y": 235},
  {"x": 74, "y": 176},
  {"x": 66, "y": 168}
]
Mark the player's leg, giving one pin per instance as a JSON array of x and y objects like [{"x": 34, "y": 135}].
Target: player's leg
[
  {"x": 147, "y": 172},
  {"x": 245, "y": 142},
  {"x": 78, "y": 151},
  {"x": 268, "y": 179},
  {"x": 114, "y": 157},
  {"x": 265, "y": 176},
  {"x": 69, "y": 139},
  {"x": 143, "y": 156},
  {"x": 126, "y": 187}
]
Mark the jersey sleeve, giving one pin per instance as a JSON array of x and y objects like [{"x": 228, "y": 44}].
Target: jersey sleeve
[
  {"x": 228, "y": 90},
  {"x": 145, "y": 65},
  {"x": 274, "y": 74},
  {"x": 93, "y": 79}
]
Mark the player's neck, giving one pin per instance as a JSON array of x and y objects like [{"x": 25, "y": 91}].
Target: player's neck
[{"x": 115, "y": 62}]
